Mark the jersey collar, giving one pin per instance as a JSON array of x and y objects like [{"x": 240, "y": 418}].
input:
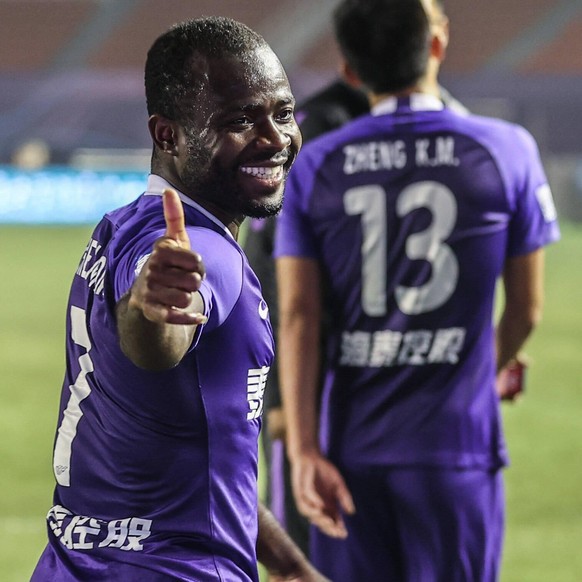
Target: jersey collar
[
  {"x": 415, "y": 101},
  {"x": 156, "y": 186}
]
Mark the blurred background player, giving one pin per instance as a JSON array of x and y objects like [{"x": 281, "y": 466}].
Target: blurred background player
[
  {"x": 408, "y": 216},
  {"x": 328, "y": 109}
]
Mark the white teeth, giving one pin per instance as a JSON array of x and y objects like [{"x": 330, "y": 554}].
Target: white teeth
[{"x": 263, "y": 172}]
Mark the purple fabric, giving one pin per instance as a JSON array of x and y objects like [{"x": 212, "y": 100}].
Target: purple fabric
[
  {"x": 412, "y": 215},
  {"x": 158, "y": 470},
  {"x": 418, "y": 525},
  {"x": 277, "y": 481}
]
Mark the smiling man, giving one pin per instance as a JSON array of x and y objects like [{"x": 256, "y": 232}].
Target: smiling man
[{"x": 168, "y": 338}]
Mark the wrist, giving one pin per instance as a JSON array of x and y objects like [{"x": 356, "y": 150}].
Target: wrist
[{"x": 302, "y": 450}]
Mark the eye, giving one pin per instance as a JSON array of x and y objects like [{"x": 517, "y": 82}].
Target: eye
[
  {"x": 243, "y": 121},
  {"x": 285, "y": 115}
]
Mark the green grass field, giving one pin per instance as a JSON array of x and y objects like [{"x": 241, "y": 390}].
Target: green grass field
[{"x": 544, "y": 430}]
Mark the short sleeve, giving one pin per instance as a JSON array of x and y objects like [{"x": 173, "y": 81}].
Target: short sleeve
[
  {"x": 222, "y": 259},
  {"x": 129, "y": 260},
  {"x": 222, "y": 286},
  {"x": 534, "y": 221}
]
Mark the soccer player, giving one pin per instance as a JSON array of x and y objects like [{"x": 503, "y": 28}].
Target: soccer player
[
  {"x": 328, "y": 109},
  {"x": 168, "y": 337},
  {"x": 409, "y": 215}
]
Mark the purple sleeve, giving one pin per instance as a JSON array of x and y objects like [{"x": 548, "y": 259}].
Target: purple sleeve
[
  {"x": 130, "y": 261},
  {"x": 534, "y": 220},
  {"x": 221, "y": 288}
]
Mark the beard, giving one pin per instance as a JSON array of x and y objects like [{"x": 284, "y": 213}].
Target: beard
[
  {"x": 204, "y": 178},
  {"x": 263, "y": 208}
]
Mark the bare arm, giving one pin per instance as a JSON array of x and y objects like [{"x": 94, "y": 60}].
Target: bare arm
[
  {"x": 523, "y": 286},
  {"x": 298, "y": 283},
  {"x": 280, "y": 555},
  {"x": 319, "y": 489},
  {"x": 157, "y": 318}
]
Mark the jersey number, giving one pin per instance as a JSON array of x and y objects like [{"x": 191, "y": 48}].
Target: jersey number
[
  {"x": 370, "y": 202},
  {"x": 79, "y": 391}
]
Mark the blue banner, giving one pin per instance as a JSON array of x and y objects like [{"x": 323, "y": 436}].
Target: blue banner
[{"x": 58, "y": 195}]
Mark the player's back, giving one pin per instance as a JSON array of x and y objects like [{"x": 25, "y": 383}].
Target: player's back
[{"x": 413, "y": 212}]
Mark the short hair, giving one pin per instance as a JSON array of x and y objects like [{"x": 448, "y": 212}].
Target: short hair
[
  {"x": 169, "y": 76},
  {"x": 386, "y": 42}
]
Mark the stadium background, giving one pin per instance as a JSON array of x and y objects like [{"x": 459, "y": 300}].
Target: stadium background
[{"x": 74, "y": 143}]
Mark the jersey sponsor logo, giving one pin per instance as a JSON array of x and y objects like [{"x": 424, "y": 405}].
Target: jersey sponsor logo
[
  {"x": 395, "y": 348},
  {"x": 92, "y": 266},
  {"x": 263, "y": 309},
  {"x": 78, "y": 532},
  {"x": 256, "y": 382},
  {"x": 546, "y": 202}
]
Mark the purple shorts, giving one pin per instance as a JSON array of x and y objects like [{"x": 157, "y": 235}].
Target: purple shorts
[{"x": 418, "y": 525}]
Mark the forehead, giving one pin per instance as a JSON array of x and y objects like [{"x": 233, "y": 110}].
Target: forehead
[{"x": 257, "y": 74}]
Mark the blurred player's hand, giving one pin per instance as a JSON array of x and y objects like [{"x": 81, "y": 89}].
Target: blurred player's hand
[
  {"x": 510, "y": 383},
  {"x": 321, "y": 494},
  {"x": 165, "y": 288}
]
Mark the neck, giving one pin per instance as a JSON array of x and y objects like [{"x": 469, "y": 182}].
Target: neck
[
  {"x": 427, "y": 84},
  {"x": 230, "y": 222},
  {"x": 234, "y": 228}
]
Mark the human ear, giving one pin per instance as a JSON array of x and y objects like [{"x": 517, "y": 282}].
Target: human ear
[
  {"x": 349, "y": 75},
  {"x": 440, "y": 38},
  {"x": 163, "y": 133}
]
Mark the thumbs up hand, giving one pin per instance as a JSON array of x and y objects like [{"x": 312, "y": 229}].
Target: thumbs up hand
[
  {"x": 174, "y": 215},
  {"x": 166, "y": 288}
]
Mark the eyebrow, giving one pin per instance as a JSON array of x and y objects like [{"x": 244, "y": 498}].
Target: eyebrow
[{"x": 257, "y": 106}]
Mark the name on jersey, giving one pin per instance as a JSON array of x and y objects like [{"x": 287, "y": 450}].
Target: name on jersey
[
  {"x": 395, "y": 348},
  {"x": 92, "y": 266},
  {"x": 78, "y": 532},
  {"x": 374, "y": 156}
]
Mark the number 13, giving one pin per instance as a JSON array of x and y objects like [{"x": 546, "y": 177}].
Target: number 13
[{"x": 370, "y": 202}]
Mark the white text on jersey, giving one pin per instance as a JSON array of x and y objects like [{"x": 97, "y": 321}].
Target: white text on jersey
[
  {"x": 395, "y": 348},
  {"x": 256, "y": 382},
  {"x": 78, "y": 532},
  {"x": 92, "y": 266},
  {"x": 375, "y": 156}
]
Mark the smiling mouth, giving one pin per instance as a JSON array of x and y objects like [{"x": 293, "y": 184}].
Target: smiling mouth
[{"x": 271, "y": 174}]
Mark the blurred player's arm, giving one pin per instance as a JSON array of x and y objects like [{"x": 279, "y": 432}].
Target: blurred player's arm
[
  {"x": 298, "y": 281},
  {"x": 522, "y": 311},
  {"x": 279, "y": 553},
  {"x": 320, "y": 491},
  {"x": 157, "y": 318}
]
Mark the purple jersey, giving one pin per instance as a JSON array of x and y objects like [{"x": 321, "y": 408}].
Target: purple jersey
[
  {"x": 156, "y": 471},
  {"x": 412, "y": 212}
]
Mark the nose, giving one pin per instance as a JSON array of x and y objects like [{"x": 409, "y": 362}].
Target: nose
[{"x": 272, "y": 134}]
